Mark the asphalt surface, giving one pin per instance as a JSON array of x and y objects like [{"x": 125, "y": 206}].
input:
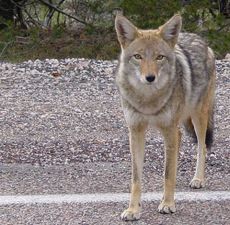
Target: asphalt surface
[
  {"x": 205, "y": 213},
  {"x": 94, "y": 178},
  {"x": 62, "y": 132},
  {"x": 101, "y": 178}
]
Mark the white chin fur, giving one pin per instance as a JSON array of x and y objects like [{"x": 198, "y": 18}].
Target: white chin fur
[{"x": 144, "y": 81}]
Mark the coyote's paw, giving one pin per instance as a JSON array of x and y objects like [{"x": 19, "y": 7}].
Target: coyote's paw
[
  {"x": 196, "y": 183},
  {"x": 130, "y": 214},
  {"x": 166, "y": 208}
]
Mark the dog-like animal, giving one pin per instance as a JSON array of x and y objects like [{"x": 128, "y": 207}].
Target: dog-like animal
[{"x": 165, "y": 78}]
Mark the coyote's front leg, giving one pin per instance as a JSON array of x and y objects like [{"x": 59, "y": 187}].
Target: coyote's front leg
[
  {"x": 137, "y": 145},
  {"x": 172, "y": 139}
]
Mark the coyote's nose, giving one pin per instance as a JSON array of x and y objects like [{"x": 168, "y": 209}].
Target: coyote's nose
[{"x": 150, "y": 78}]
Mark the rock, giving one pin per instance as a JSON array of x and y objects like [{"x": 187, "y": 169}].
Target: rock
[{"x": 227, "y": 56}]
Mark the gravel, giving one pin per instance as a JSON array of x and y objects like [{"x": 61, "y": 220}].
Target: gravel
[{"x": 56, "y": 112}]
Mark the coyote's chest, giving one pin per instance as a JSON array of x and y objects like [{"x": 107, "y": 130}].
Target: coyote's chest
[{"x": 146, "y": 100}]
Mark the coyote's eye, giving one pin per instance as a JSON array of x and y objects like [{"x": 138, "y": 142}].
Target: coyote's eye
[
  {"x": 160, "y": 57},
  {"x": 137, "y": 56}
]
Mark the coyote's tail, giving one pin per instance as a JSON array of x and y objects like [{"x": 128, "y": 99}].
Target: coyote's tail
[{"x": 210, "y": 128}]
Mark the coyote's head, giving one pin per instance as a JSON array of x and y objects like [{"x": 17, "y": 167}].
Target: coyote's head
[{"x": 147, "y": 55}]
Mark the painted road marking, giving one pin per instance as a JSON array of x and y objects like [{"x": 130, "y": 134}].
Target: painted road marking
[{"x": 110, "y": 197}]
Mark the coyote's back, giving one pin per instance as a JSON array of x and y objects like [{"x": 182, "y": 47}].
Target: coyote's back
[{"x": 200, "y": 60}]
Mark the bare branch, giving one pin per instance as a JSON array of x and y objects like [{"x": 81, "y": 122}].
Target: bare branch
[
  {"x": 51, "y": 13},
  {"x": 32, "y": 20},
  {"x": 62, "y": 12},
  {"x": 223, "y": 27}
]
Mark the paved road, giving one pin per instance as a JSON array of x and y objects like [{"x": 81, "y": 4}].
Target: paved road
[{"x": 79, "y": 194}]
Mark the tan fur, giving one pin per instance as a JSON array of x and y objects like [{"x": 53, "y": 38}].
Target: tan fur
[{"x": 166, "y": 101}]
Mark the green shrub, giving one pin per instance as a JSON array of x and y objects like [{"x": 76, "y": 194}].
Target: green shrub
[{"x": 97, "y": 37}]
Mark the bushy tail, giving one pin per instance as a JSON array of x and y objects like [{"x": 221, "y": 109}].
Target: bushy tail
[
  {"x": 209, "y": 132},
  {"x": 189, "y": 128}
]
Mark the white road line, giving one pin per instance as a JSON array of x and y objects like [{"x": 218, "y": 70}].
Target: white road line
[{"x": 109, "y": 197}]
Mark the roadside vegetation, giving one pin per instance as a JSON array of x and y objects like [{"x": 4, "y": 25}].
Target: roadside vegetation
[{"x": 31, "y": 29}]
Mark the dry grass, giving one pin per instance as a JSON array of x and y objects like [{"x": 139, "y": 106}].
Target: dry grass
[{"x": 58, "y": 44}]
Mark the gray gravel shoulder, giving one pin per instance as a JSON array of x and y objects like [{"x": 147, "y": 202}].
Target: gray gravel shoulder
[{"x": 58, "y": 112}]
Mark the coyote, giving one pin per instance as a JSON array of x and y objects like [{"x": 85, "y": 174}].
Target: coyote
[{"x": 165, "y": 78}]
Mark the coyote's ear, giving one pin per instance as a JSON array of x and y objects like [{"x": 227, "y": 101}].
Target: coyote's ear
[
  {"x": 126, "y": 31},
  {"x": 170, "y": 30}
]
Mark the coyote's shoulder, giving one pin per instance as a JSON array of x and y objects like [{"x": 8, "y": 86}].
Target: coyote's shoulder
[{"x": 197, "y": 61}]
